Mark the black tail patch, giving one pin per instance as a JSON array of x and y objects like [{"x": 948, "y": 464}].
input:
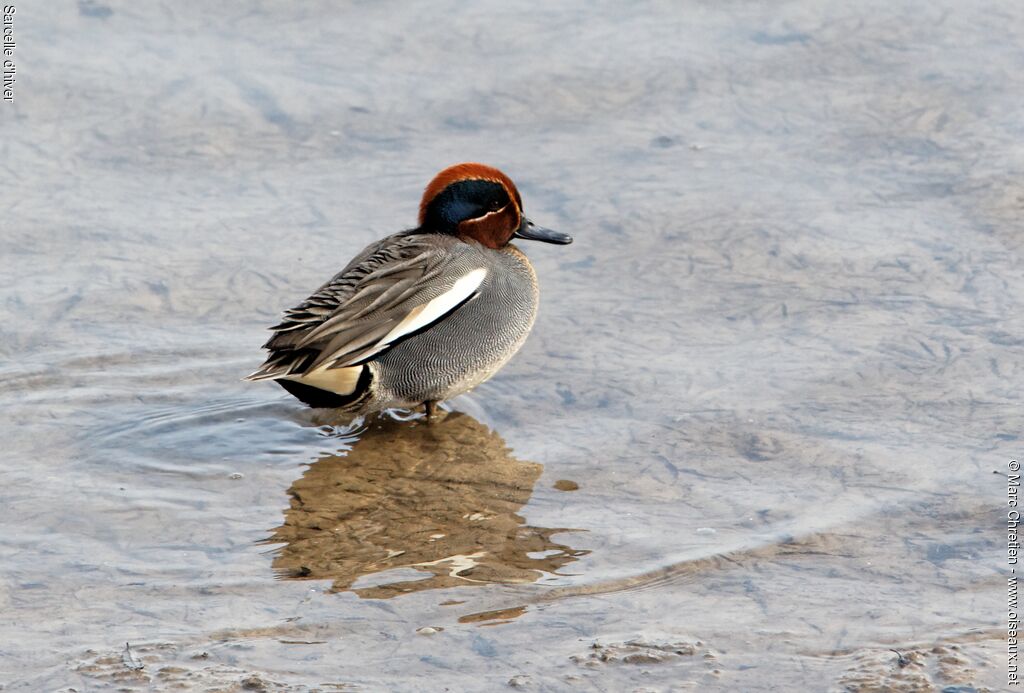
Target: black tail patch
[{"x": 323, "y": 399}]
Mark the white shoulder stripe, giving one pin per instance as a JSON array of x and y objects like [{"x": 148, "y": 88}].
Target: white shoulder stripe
[{"x": 435, "y": 309}]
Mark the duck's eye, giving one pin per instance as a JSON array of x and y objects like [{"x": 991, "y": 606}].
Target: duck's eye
[{"x": 494, "y": 206}]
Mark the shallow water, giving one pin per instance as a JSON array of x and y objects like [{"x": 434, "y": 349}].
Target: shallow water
[{"x": 781, "y": 361}]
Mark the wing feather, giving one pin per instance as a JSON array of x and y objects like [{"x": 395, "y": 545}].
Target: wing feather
[{"x": 393, "y": 289}]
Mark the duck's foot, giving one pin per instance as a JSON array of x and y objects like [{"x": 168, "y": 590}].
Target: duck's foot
[{"x": 430, "y": 407}]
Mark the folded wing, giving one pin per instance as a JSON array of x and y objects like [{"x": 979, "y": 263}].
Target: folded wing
[{"x": 393, "y": 290}]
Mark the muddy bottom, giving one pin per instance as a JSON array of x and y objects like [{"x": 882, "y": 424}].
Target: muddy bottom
[{"x": 748, "y": 446}]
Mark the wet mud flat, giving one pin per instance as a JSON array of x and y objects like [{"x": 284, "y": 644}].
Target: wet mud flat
[{"x": 749, "y": 445}]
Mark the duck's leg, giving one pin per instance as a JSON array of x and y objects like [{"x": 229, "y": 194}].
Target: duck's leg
[{"x": 430, "y": 406}]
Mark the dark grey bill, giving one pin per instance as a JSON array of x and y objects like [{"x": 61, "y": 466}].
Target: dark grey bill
[{"x": 531, "y": 232}]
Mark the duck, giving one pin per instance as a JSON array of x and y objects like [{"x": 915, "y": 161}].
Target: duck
[{"x": 422, "y": 315}]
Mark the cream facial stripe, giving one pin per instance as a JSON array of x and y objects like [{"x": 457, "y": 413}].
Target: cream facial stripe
[{"x": 497, "y": 211}]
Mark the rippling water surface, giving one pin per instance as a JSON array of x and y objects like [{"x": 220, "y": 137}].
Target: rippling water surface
[{"x": 749, "y": 446}]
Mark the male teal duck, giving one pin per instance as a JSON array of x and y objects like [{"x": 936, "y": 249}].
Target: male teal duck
[{"x": 422, "y": 315}]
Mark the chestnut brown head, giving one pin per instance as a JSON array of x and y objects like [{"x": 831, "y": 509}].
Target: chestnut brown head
[{"x": 480, "y": 203}]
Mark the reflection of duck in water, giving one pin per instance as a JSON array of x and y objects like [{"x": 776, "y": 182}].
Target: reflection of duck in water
[{"x": 437, "y": 499}]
